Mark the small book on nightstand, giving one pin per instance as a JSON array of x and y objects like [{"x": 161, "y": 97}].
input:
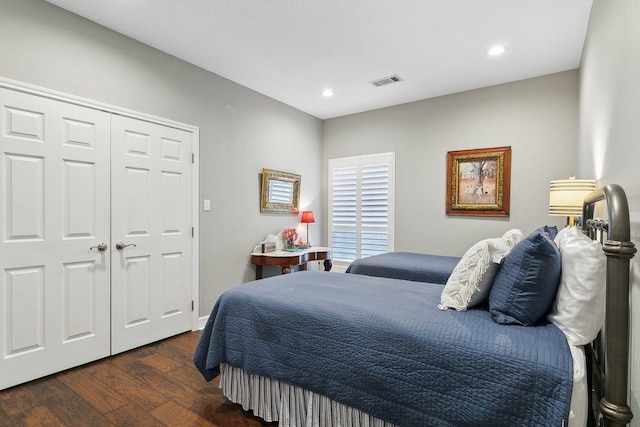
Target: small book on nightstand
[{"x": 268, "y": 247}]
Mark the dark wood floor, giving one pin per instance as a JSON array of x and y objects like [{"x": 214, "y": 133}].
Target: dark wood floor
[{"x": 155, "y": 385}]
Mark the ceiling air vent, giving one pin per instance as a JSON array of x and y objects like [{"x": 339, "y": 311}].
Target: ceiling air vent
[{"x": 386, "y": 80}]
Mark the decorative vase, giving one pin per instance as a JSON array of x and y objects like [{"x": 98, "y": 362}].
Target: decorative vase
[{"x": 290, "y": 245}]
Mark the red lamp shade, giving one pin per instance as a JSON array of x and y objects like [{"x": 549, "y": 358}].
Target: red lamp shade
[{"x": 307, "y": 217}]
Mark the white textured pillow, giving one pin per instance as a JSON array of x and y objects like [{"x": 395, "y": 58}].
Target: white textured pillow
[
  {"x": 468, "y": 277},
  {"x": 513, "y": 237},
  {"x": 579, "y": 308}
]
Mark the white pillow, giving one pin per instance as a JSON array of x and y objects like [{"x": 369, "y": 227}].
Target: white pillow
[
  {"x": 513, "y": 237},
  {"x": 579, "y": 308},
  {"x": 471, "y": 279},
  {"x": 560, "y": 237}
]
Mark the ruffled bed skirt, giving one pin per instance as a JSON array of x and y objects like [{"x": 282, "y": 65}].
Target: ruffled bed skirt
[{"x": 291, "y": 406}]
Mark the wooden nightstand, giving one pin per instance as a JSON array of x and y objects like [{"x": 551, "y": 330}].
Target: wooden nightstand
[{"x": 286, "y": 259}]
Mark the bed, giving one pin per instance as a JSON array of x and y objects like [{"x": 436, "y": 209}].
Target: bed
[
  {"x": 406, "y": 265},
  {"x": 326, "y": 349}
]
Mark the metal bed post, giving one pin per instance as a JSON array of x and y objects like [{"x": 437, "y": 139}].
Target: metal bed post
[{"x": 613, "y": 406}]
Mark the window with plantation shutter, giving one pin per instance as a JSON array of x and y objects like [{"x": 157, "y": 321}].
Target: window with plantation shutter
[{"x": 361, "y": 206}]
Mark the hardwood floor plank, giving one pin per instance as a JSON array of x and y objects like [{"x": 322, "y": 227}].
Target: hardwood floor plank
[
  {"x": 172, "y": 414},
  {"x": 130, "y": 387},
  {"x": 181, "y": 393},
  {"x": 133, "y": 416},
  {"x": 39, "y": 416},
  {"x": 17, "y": 399},
  {"x": 190, "y": 376},
  {"x": 131, "y": 356},
  {"x": 66, "y": 405},
  {"x": 161, "y": 363},
  {"x": 4, "y": 419},
  {"x": 181, "y": 347},
  {"x": 101, "y": 397}
]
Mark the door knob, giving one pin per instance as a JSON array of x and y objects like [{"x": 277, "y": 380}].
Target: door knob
[
  {"x": 101, "y": 247},
  {"x": 122, "y": 245}
]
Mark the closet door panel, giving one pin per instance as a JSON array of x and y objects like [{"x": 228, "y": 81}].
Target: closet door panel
[
  {"x": 151, "y": 216},
  {"x": 54, "y": 289}
]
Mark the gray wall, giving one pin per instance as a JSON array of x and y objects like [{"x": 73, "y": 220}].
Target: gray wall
[
  {"x": 609, "y": 147},
  {"x": 241, "y": 131},
  {"x": 538, "y": 118}
]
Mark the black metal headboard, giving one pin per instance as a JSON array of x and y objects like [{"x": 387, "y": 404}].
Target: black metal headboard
[{"x": 608, "y": 355}]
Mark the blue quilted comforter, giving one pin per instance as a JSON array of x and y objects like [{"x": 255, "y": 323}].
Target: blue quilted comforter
[
  {"x": 382, "y": 346},
  {"x": 407, "y": 266}
]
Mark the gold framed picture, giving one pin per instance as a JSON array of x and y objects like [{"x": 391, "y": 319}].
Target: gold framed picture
[
  {"x": 280, "y": 191},
  {"x": 479, "y": 182}
]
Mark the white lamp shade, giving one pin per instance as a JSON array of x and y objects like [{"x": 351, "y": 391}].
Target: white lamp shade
[{"x": 566, "y": 196}]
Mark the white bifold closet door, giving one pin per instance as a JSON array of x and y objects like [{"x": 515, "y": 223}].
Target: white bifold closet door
[
  {"x": 55, "y": 292},
  {"x": 75, "y": 182},
  {"x": 151, "y": 216}
]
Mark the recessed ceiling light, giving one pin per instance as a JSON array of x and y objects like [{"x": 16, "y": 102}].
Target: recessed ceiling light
[
  {"x": 495, "y": 51},
  {"x": 327, "y": 93}
]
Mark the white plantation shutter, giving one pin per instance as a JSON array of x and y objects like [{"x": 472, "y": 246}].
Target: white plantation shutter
[
  {"x": 361, "y": 206},
  {"x": 374, "y": 212},
  {"x": 344, "y": 213}
]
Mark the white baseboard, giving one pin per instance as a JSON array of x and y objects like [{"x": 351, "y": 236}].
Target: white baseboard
[{"x": 202, "y": 321}]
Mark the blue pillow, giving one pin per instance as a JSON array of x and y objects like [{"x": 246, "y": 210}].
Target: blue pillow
[
  {"x": 526, "y": 284},
  {"x": 551, "y": 231}
]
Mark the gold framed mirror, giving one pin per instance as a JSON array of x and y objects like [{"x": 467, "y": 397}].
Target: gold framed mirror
[{"x": 280, "y": 191}]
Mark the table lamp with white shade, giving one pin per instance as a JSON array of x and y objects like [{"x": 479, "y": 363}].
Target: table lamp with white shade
[{"x": 567, "y": 195}]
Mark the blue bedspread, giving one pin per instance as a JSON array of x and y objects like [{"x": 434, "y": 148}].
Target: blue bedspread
[
  {"x": 382, "y": 346},
  {"x": 407, "y": 266}
]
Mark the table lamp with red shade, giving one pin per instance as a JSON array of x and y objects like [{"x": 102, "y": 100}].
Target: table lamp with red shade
[{"x": 307, "y": 218}]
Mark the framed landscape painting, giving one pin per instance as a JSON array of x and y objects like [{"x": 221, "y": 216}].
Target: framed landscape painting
[{"x": 479, "y": 182}]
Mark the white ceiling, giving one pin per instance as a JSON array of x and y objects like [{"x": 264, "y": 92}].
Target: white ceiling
[{"x": 292, "y": 50}]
